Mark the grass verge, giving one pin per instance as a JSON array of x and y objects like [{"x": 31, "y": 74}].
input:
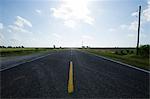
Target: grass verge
[{"x": 132, "y": 59}]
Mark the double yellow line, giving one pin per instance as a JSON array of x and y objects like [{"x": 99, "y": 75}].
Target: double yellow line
[{"x": 70, "y": 81}]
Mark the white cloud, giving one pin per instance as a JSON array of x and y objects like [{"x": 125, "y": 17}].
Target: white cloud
[
  {"x": 112, "y": 30},
  {"x": 1, "y": 36},
  {"x": 1, "y": 26},
  {"x": 21, "y": 22},
  {"x": 19, "y": 25},
  {"x": 134, "y": 14},
  {"x": 87, "y": 37},
  {"x": 89, "y": 20},
  {"x": 38, "y": 11},
  {"x": 143, "y": 35},
  {"x": 58, "y": 36},
  {"x": 146, "y": 12},
  {"x": 15, "y": 42},
  {"x": 13, "y": 28},
  {"x": 87, "y": 40},
  {"x": 70, "y": 23},
  {"x": 134, "y": 35},
  {"x": 72, "y": 12},
  {"x": 9, "y": 30},
  {"x": 133, "y": 26},
  {"x": 2, "y": 39},
  {"x": 123, "y": 26},
  {"x": 131, "y": 35}
]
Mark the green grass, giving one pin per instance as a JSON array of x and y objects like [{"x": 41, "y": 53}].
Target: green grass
[
  {"x": 132, "y": 59},
  {"x": 4, "y": 52}
]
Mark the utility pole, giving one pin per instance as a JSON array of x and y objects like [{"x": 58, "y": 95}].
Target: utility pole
[{"x": 137, "y": 47}]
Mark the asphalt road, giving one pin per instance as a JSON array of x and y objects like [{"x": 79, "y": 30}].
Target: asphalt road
[{"x": 93, "y": 77}]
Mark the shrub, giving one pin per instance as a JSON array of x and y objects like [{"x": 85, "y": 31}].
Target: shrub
[
  {"x": 144, "y": 50},
  {"x": 132, "y": 52},
  {"x": 127, "y": 51},
  {"x": 121, "y": 52}
]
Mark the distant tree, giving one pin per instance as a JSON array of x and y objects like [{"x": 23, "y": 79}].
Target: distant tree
[
  {"x": 2, "y": 47},
  {"x": 83, "y": 46},
  {"x": 22, "y": 46},
  {"x": 36, "y": 48},
  {"x": 9, "y": 47}
]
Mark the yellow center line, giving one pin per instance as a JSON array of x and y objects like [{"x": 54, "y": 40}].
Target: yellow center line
[{"x": 70, "y": 81}]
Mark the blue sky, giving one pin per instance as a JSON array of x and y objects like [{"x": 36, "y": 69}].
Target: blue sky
[{"x": 69, "y": 23}]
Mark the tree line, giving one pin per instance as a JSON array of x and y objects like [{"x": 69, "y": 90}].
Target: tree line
[
  {"x": 11, "y": 46},
  {"x": 143, "y": 51}
]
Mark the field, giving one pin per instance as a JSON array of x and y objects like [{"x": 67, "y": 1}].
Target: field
[
  {"x": 131, "y": 58},
  {"x": 21, "y": 51},
  {"x": 118, "y": 54}
]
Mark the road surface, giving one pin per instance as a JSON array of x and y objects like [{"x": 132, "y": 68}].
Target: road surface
[{"x": 93, "y": 77}]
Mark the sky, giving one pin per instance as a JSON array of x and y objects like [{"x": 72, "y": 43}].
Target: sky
[{"x": 73, "y": 23}]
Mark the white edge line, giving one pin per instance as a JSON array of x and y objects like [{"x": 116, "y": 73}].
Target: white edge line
[
  {"x": 119, "y": 62},
  {"x": 11, "y": 66}
]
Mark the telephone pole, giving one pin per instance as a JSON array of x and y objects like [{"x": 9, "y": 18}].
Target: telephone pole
[{"x": 137, "y": 47}]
